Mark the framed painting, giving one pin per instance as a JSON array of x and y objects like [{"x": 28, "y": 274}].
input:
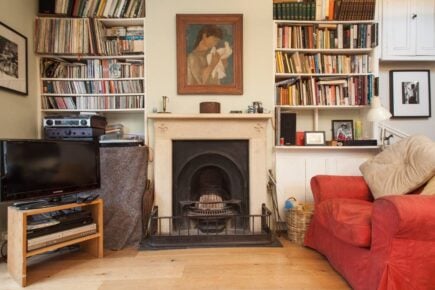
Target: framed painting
[
  {"x": 342, "y": 130},
  {"x": 210, "y": 54},
  {"x": 410, "y": 93},
  {"x": 13, "y": 60}
]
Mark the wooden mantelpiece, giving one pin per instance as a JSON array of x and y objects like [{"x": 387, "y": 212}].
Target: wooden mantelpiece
[{"x": 170, "y": 116}]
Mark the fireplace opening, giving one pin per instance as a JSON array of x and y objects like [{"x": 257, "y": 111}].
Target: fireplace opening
[{"x": 210, "y": 184}]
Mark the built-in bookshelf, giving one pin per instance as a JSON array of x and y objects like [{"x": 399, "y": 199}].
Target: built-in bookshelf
[
  {"x": 93, "y": 63},
  {"x": 324, "y": 65}
]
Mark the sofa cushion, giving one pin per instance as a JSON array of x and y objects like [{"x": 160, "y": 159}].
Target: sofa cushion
[
  {"x": 429, "y": 188},
  {"x": 401, "y": 168},
  {"x": 347, "y": 219}
]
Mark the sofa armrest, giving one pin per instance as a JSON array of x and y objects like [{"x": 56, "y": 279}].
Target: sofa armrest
[
  {"x": 404, "y": 217},
  {"x": 334, "y": 186}
]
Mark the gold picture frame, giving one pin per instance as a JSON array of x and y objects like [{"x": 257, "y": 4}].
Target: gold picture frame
[{"x": 210, "y": 54}]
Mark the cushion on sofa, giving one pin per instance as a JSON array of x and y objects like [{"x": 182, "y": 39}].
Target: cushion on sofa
[
  {"x": 347, "y": 219},
  {"x": 429, "y": 188},
  {"x": 401, "y": 168}
]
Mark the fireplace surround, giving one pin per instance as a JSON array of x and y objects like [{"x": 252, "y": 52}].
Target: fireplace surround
[{"x": 173, "y": 130}]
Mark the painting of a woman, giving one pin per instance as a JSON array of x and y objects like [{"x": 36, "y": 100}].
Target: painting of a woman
[{"x": 209, "y": 54}]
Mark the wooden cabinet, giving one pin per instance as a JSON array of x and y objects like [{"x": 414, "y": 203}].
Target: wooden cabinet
[
  {"x": 17, "y": 237},
  {"x": 408, "y": 30}
]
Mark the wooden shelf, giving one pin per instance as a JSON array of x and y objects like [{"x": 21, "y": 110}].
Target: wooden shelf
[
  {"x": 138, "y": 110},
  {"x": 327, "y": 147},
  {"x": 17, "y": 237},
  {"x": 82, "y": 56},
  {"x": 92, "y": 95},
  {"x": 323, "y": 107},
  {"x": 324, "y": 21},
  {"x": 94, "y": 79},
  {"x": 286, "y": 75},
  {"x": 328, "y": 50}
]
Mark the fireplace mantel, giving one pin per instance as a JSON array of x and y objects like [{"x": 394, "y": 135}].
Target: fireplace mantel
[
  {"x": 170, "y": 116},
  {"x": 169, "y": 127}
]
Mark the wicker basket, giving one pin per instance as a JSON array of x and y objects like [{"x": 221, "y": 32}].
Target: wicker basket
[{"x": 298, "y": 220}]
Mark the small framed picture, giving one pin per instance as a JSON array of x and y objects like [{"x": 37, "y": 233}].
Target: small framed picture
[
  {"x": 342, "y": 130},
  {"x": 410, "y": 93},
  {"x": 314, "y": 138}
]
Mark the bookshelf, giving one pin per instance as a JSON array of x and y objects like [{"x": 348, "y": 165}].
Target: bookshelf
[
  {"x": 326, "y": 64},
  {"x": 91, "y": 63},
  {"x": 320, "y": 66}
]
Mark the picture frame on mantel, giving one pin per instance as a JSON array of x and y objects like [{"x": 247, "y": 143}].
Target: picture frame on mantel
[
  {"x": 210, "y": 54},
  {"x": 13, "y": 60},
  {"x": 410, "y": 93}
]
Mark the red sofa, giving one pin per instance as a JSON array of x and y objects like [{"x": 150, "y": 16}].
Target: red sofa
[{"x": 388, "y": 243}]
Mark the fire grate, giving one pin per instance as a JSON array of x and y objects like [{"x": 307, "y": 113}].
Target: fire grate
[{"x": 234, "y": 230}]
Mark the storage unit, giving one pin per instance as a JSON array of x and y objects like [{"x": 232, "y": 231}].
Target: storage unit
[
  {"x": 17, "y": 237},
  {"x": 93, "y": 65},
  {"x": 408, "y": 30}
]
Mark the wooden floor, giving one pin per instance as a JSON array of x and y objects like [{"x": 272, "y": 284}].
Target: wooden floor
[{"x": 289, "y": 267}]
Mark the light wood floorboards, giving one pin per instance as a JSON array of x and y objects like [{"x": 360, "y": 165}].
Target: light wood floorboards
[{"x": 289, "y": 267}]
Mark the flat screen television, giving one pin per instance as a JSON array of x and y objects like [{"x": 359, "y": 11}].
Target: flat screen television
[{"x": 32, "y": 169}]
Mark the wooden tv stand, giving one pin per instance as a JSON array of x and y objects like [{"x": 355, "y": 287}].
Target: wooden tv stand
[{"x": 17, "y": 237}]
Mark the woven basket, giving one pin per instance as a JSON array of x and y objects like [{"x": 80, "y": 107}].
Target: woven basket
[{"x": 298, "y": 220}]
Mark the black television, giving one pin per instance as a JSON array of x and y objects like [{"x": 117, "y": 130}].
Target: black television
[{"x": 32, "y": 169}]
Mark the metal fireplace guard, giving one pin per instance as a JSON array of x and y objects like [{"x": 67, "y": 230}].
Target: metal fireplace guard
[{"x": 254, "y": 230}]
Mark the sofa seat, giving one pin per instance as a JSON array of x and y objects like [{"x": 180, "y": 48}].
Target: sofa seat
[{"x": 347, "y": 219}]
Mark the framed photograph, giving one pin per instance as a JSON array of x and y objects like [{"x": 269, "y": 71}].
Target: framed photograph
[
  {"x": 342, "y": 130},
  {"x": 410, "y": 93},
  {"x": 13, "y": 60},
  {"x": 210, "y": 54},
  {"x": 314, "y": 138}
]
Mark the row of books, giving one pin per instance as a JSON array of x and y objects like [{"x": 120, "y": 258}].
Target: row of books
[
  {"x": 325, "y": 10},
  {"x": 352, "y": 91},
  {"x": 93, "y": 87},
  {"x": 84, "y": 36},
  {"x": 94, "y": 8},
  {"x": 294, "y": 10},
  {"x": 298, "y": 63},
  {"x": 327, "y": 36},
  {"x": 91, "y": 68},
  {"x": 93, "y": 103}
]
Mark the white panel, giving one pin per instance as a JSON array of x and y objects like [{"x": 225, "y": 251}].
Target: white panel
[
  {"x": 425, "y": 11},
  {"x": 349, "y": 166},
  {"x": 399, "y": 28}
]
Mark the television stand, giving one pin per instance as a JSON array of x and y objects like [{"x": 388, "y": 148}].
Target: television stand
[{"x": 18, "y": 254}]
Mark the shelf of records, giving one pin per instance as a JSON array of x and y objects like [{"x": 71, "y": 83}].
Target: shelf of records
[
  {"x": 334, "y": 92},
  {"x": 89, "y": 36},
  {"x": 318, "y": 63},
  {"x": 58, "y": 68},
  {"x": 94, "y": 103},
  {"x": 326, "y": 35},
  {"x": 94, "y": 8},
  {"x": 92, "y": 87}
]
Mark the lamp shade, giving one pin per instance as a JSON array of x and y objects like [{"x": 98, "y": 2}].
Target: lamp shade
[{"x": 377, "y": 113}]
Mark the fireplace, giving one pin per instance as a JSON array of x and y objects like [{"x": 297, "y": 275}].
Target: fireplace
[
  {"x": 210, "y": 178},
  {"x": 210, "y": 173}
]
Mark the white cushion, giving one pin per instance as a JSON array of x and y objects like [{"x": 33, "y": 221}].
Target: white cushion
[{"x": 401, "y": 167}]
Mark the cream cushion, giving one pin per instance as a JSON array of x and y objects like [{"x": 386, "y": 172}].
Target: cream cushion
[
  {"x": 429, "y": 188},
  {"x": 401, "y": 167}
]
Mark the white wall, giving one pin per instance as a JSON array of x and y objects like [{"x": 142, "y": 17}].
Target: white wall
[
  {"x": 162, "y": 62},
  {"x": 18, "y": 113},
  {"x": 424, "y": 126}
]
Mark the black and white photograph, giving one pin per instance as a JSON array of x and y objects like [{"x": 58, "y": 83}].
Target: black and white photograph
[
  {"x": 13, "y": 60},
  {"x": 8, "y": 57},
  {"x": 342, "y": 130},
  {"x": 410, "y": 93}
]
